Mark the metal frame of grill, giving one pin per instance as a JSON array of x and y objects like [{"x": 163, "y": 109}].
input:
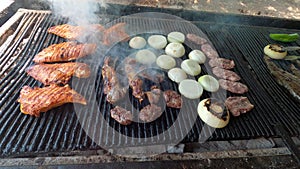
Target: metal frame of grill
[{"x": 274, "y": 116}]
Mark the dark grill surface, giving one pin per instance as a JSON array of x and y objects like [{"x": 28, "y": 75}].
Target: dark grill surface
[{"x": 59, "y": 130}]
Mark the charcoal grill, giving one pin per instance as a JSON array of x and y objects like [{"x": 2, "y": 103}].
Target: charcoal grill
[{"x": 274, "y": 123}]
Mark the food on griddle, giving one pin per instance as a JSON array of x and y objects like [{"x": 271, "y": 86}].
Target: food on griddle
[
  {"x": 150, "y": 113},
  {"x": 65, "y": 51},
  {"x": 137, "y": 42},
  {"x": 173, "y": 99},
  {"x": 284, "y": 78},
  {"x": 177, "y": 75},
  {"x": 176, "y": 37},
  {"x": 275, "y": 51},
  {"x": 221, "y": 63},
  {"x": 238, "y": 105},
  {"x": 59, "y": 73},
  {"x": 191, "y": 67},
  {"x": 295, "y": 70},
  {"x": 209, "y": 83},
  {"x": 112, "y": 87},
  {"x": 166, "y": 62},
  {"x": 115, "y": 33},
  {"x": 191, "y": 89},
  {"x": 233, "y": 87},
  {"x": 197, "y": 56},
  {"x": 36, "y": 100},
  {"x": 284, "y": 37},
  {"x": 75, "y": 32},
  {"x": 175, "y": 50},
  {"x": 121, "y": 115},
  {"x": 136, "y": 83},
  {"x": 208, "y": 50},
  {"x": 151, "y": 74},
  {"x": 226, "y": 74},
  {"x": 145, "y": 56},
  {"x": 293, "y": 58},
  {"x": 154, "y": 95},
  {"x": 157, "y": 41},
  {"x": 213, "y": 113},
  {"x": 196, "y": 39}
]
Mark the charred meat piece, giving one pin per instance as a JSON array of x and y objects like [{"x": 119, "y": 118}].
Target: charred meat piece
[
  {"x": 233, "y": 87},
  {"x": 196, "y": 39},
  {"x": 59, "y": 73},
  {"x": 284, "y": 78},
  {"x": 75, "y": 32},
  {"x": 121, "y": 115},
  {"x": 150, "y": 74},
  {"x": 37, "y": 100},
  {"x": 222, "y": 63},
  {"x": 153, "y": 95},
  {"x": 295, "y": 70},
  {"x": 226, "y": 74},
  {"x": 238, "y": 105},
  {"x": 65, "y": 51},
  {"x": 112, "y": 87},
  {"x": 150, "y": 113},
  {"x": 135, "y": 82},
  {"x": 173, "y": 99},
  {"x": 208, "y": 50},
  {"x": 115, "y": 34}
]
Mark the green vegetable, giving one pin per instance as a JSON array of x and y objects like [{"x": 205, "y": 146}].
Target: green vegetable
[
  {"x": 292, "y": 57},
  {"x": 285, "y": 37}
]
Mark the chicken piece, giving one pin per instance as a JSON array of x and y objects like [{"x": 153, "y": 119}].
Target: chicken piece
[
  {"x": 153, "y": 95},
  {"x": 112, "y": 88},
  {"x": 135, "y": 82},
  {"x": 36, "y": 100},
  {"x": 65, "y": 51},
  {"x": 121, "y": 115},
  {"x": 75, "y": 32},
  {"x": 115, "y": 34},
  {"x": 59, "y": 73}
]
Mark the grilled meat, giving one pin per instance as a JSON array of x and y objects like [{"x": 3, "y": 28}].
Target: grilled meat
[
  {"x": 238, "y": 105},
  {"x": 233, "y": 87},
  {"x": 284, "y": 78},
  {"x": 295, "y": 70},
  {"x": 65, "y": 51},
  {"x": 115, "y": 34},
  {"x": 196, "y": 39},
  {"x": 37, "y": 100},
  {"x": 209, "y": 51},
  {"x": 59, "y": 73},
  {"x": 112, "y": 88},
  {"x": 75, "y": 32},
  {"x": 222, "y": 63},
  {"x": 226, "y": 74},
  {"x": 150, "y": 113},
  {"x": 151, "y": 74},
  {"x": 153, "y": 95},
  {"x": 136, "y": 83},
  {"x": 121, "y": 115},
  {"x": 173, "y": 99}
]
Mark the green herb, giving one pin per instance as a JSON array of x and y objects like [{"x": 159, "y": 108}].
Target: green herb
[{"x": 285, "y": 37}]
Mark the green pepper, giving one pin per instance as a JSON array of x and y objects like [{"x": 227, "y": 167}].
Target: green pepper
[{"x": 285, "y": 37}]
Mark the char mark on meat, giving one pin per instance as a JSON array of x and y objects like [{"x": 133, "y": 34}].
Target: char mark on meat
[
  {"x": 226, "y": 74},
  {"x": 173, "y": 99},
  {"x": 154, "y": 95},
  {"x": 121, "y": 115},
  {"x": 222, "y": 63},
  {"x": 233, "y": 87},
  {"x": 150, "y": 113},
  {"x": 238, "y": 105}
]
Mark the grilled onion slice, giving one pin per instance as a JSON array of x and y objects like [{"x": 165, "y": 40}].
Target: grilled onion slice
[
  {"x": 213, "y": 113},
  {"x": 275, "y": 51}
]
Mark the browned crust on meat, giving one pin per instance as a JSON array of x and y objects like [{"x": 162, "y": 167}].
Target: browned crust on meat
[
  {"x": 150, "y": 113},
  {"x": 233, "y": 87},
  {"x": 222, "y": 63},
  {"x": 115, "y": 33},
  {"x": 226, "y": 74},
  {"x": 173, "y": 99},
  {"x": 121, "y": 115},
  {"x": 238, "y": 105}
]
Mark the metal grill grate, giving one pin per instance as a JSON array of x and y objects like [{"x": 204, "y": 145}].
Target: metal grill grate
[{"x": 59, "y": 129}]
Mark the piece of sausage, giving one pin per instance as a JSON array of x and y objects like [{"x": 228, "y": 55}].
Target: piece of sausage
[
  {"x": 233, "y": 87},
  {"x": 209, "y": 51},
  {"x": 226, "y": 74},
  {"x": 222, "y": 63}
]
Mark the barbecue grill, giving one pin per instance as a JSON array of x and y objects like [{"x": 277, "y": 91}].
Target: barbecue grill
[{"x": 76, "y": 135}]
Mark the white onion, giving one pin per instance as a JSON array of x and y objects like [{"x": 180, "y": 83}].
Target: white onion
[
  {"x": 197, "y": 56},
  {"x": 209, "y": 83},
  {"x": 176, "y": 37},
  {"x": 275, "y": 51},
  {"x": 166, "y": 62},
  {"x": 157, "y": 41},
  {"x": 177, "y": 75},
  {"x": 137, "y": 42},
  {"x": 145, "y": 56},
  {"x": 191, "y": 67},
  {"x": 175, "y": 49},
  {"x": 190, "y": 89}
]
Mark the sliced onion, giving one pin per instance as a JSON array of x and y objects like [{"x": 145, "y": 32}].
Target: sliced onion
[
  {"x": 191, "y": 89},
  {"x": 137, "y": 42},
  {"x": 145, "y": 56},
  {"x": 177, "y": 75},
  {"x": 175, "y": 49},
  {"x": 166, "y": 62},
  {"x": 176, "y": 37},
  {"x": 209, "y": 83},
  {"x": 191, "y": 67},
  {"x": 157, "y": 41},
  {"x": 275, "y": 51},
  {"x": 197, "y": 56}
]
